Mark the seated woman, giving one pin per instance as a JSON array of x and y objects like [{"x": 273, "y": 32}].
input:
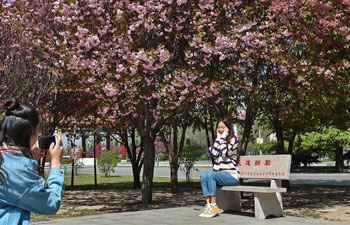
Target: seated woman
[{"x": 225, "y": 171}]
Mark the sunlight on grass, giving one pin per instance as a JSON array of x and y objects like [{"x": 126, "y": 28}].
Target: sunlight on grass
[{"x": 87, "y": 181}]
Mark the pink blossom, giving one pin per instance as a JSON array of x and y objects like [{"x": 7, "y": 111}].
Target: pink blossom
[
  {"x": 181, "y": 2},
  {"x": 94, "y": 40},
  {"x": 222, "y": 57},
  {"x": 105, "y": 110},
  {"x": 82, "y": 32},
  {"x": 91, "y": 80},
  {"x": 286, "y": 33},
  {"x": 184, "y": 92},
  {"x": 133, "y": 70},
  {"x": 328, "y": 73},
  {"x": 109, "y": 90},
  {"x": 347, "y": 39}
]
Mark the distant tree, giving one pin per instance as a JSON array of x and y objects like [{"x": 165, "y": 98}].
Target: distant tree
[
  {"x": 190, "y": 153},
  {"x": 327, "y": 141}
]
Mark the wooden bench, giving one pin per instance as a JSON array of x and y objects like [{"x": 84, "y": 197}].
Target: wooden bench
[{"x": 267, "y": 200}]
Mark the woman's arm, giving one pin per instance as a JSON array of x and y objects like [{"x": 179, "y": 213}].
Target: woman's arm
[
  {"x": 219, "y": 146},
  {"x": 43, "y": 199},
  {"x": 232, "y": 148}
]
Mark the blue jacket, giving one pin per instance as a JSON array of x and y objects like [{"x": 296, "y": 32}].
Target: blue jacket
[{"x": 24, "y": 191}]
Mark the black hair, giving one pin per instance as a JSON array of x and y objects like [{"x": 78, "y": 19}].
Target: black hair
[
  {"x": 17, "y": 127},
  {"x": 228, "y": 124}
]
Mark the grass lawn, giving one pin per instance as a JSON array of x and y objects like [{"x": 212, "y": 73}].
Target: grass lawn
[{"x": 87, "y": 182}]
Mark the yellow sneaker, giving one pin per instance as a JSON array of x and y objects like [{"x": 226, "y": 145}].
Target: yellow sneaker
[
  {"x": 213, "y": 211},
  {"x": 205, "y": 212}
]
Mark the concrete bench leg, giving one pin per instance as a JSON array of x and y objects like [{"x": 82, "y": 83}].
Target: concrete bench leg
[
  {"x": 267, "y": 204},
  {"x": 228, "y": 200}
]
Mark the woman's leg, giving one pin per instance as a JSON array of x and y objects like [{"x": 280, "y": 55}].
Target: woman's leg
[
  {"x": 204, "y": 184},
  {"x": 222, "y": 179},
  {"x": 208, "y": 199},
  {"x": 209, "y": 180},
  {"x": 219, "y": 178},
  {"x": 225, "y": 179},
  {"x": 213, "y": 210}
]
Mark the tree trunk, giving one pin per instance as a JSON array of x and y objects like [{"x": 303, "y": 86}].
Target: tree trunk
[
  {"x": 173, "y": 161},
  {"x": 148, "y": 169},
  {"x": 174, "y": 153},
  {"x": 212, "y": 129},
  {"x": 207, "y": 132},
  {"x": 279, "y": 134},
  {"x": 136, "y": 174},
  {"x": 291, "y": 141},
  {"x": 339, "y": 159},
  {"x": 248, "y": 123},
  {"x": 286, "y": 183},
  {"x": 208, "y": 139},
  {"x": 135, "y": 158},
  {"x": 174, "y": 178},
  {"x": 72, "y": 178},
  {"x": 280, "y": 142}
]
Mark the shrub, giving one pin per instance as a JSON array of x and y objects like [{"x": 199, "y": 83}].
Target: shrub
[{"x": 107, "y": 162}]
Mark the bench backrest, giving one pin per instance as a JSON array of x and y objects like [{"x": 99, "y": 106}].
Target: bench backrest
[{"x": 265, "y": 166}]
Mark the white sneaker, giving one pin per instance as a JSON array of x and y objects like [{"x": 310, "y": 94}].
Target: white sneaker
[
  {"x": 205, "y": 212},
  {"x": 213, "y": 211}
]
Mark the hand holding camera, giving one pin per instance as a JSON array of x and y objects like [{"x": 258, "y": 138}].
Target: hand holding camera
[
  {"x": 55, "y": 148},
  {"x": 56, "y": 152}
]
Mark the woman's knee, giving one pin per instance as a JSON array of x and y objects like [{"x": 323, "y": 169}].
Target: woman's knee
[
  {"x": 211, "y": 175},
  {"x": 204, "y": 176}
]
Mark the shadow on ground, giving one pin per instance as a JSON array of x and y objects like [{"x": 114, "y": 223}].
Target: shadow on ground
[{"x": 301, "y": 201}]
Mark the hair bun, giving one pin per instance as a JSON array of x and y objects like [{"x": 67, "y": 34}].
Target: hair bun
[{"x": 11, "y": 104}]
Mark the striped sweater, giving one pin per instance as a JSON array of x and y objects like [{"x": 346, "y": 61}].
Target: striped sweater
[{"x": 225, "y": 156}]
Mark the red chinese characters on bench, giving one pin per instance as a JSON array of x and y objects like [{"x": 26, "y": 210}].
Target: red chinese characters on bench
[
  {"x": 256, "y": 163},
  {"x": 267, "y": 162},
  {"x": 264, "y": 166},
  {"x": 271, "y": 173}
]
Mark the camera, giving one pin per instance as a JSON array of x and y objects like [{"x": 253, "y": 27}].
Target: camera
[{"x": 45, "y": 142}]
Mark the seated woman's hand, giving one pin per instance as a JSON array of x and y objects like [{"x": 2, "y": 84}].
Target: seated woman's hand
[{"x": 224, "y": 134}]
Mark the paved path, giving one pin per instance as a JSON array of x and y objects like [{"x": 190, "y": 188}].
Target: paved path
[{"x": 183, "y": 216}]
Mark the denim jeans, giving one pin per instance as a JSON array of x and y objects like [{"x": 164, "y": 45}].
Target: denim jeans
[{"x": 210, "y": 179}]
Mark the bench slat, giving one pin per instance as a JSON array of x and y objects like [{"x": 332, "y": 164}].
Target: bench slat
[{"x": 253, "y": 189}]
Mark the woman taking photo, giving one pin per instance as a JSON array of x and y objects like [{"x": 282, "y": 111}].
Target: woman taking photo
[
  {"x": 225, "y": 170},
  {"x": 22, "y": 190}
]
